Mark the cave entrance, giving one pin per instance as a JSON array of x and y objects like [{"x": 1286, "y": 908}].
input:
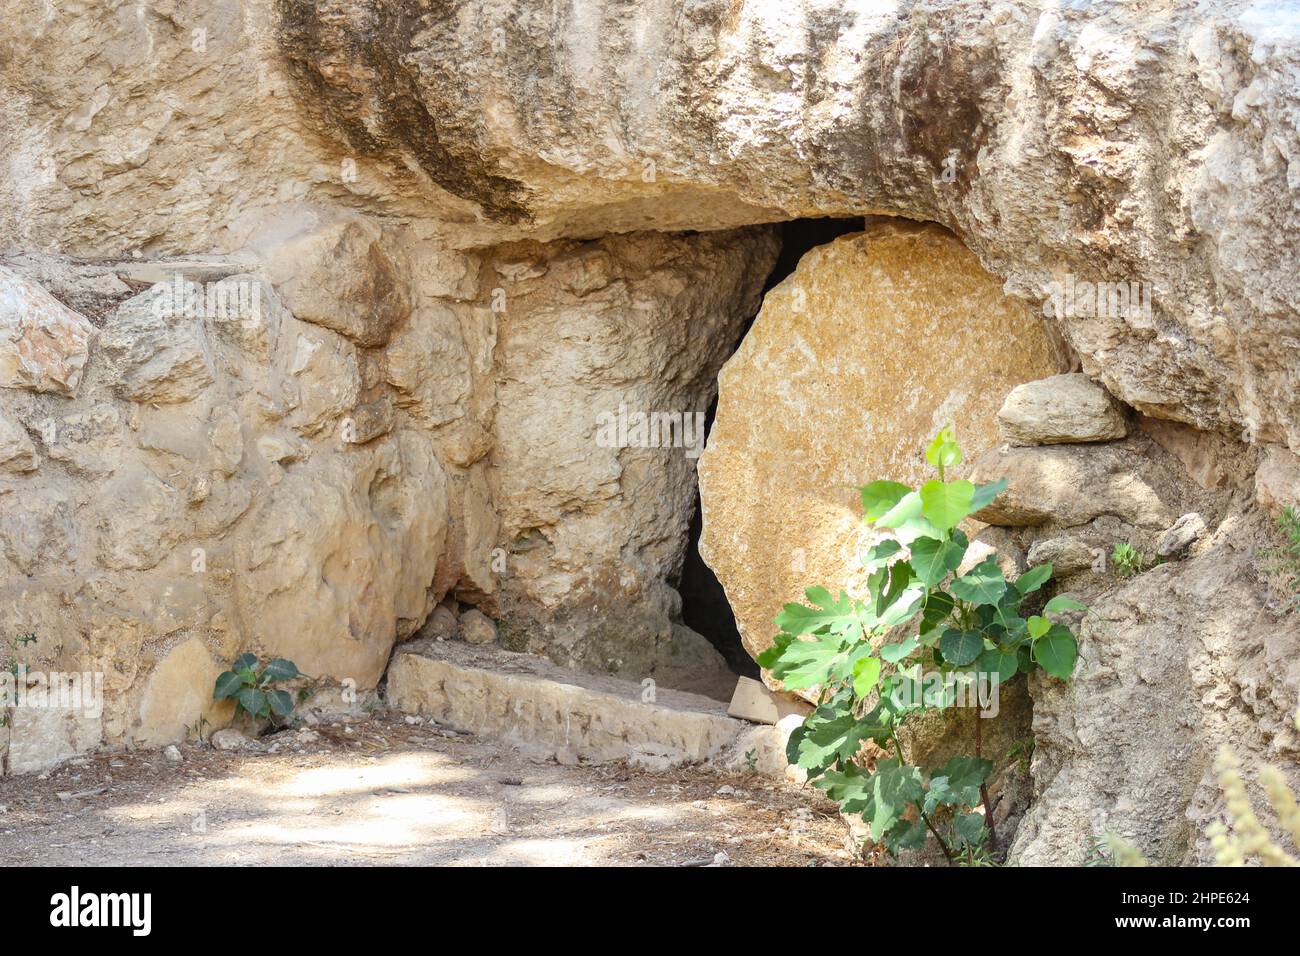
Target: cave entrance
[{"x": 704, "y": 602}]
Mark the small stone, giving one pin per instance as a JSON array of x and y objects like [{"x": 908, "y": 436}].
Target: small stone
[
  {"x": 229, "y": 739},
  {"x": 1180, "y": 537},
  {"x": 1058, "y": 409},
  {"x": 172, "y": 754},
  {"x": 1066, "y": 555},
  {"x": 477, "y": 628},
  {"x": 441, "y": 624}
]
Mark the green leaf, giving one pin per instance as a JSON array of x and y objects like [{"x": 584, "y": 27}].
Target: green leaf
[
  {"x": 900, "y": 576},
  {"x": 851, "y": 788},
  {"x": 966, "y": 772},
  {"x": 969, "y": 828},
  {"x": 228, "y": 685},
  {"x": 1033, "y": 579},
  {"x": 893, "y": 653},
  {"x": 244, "y": 662},
  {"x": 880, "y": 553},
  {"x": 1056, "y": 652},
  {"x": 252, "y": 700},
  {"x": 810, "y": 663},
  {"x": 906, "y": 836},
  {"x": 280, "y": 669},
  {"x": 838, "y": 615},
  {"x": 943, "y": 451},
  {"x": 997, "y": 661},
  {"x": 984, "y": 494},
  {"x": 934, "y": 560},
  {"x": 938, "y": 605},
  {"x": 907, "y": 521},
  {"x": 1063, "y": 602},
  {"x": 894, "y": 787},
  {"x": 866, "y": 673},
  {"x": 767, "y": 659},
  {"x": 829, "y": 737},
  {"x": 1038, "y": 626},
  {"x": 957, "y": 783},
  {"x": 944, "y": 504},
  {"x": 281, "y": 702},
  {"x": 961, "y": 647},
  {"x": 879, "y": 497},
  {"x": 983, "y": 584}
]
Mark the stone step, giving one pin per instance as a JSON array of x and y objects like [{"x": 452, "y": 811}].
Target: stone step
[{"x": 572, "y": 716}]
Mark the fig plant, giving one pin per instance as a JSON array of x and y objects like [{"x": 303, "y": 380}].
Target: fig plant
[
  {"x": 923, "y": 637},
  {"x": 250, "y": 685}
]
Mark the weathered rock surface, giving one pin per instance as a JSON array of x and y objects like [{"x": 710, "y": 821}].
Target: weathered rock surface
[
  {"x": 1062, "y": 408},
  {"x": 230, "y": 477},
  {"x": 1066, "y": 554},
  {"x": 1027, "y": 128},
  {"x": 17, "y": 453},
  {"x": 477, "y": 628},
  {"x": 564, "y": 714},
  {"x": 190, "y": 496},
  {"x": 43, "y": 344},
  {"x": 1179, "y": 660},
  {"x": 1277, "y": 483},
  {"x": 875, "y": 342},
  {"x": 594, "y": 508},
  {"x": 1070, "y": 485},
  {"x": 375, "y": 159}
]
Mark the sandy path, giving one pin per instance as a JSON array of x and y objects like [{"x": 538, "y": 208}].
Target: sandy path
[{"x": 389, "y": 792}]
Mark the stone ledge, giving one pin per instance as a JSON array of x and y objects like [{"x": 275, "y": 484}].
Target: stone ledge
[{"x": 573, "y": 716}]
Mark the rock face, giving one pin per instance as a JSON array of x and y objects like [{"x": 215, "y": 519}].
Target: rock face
[
  {"x": 196, "y": 499},
  {"x": 607, "y": 358},
  {"x": 221, "y": 475},
  {"x": 1031, "y": 136},
  {"x": 1070, "y": 485},
  {"x": 1062, "y": 408},
  {"x": 876, "y": 342},
  {"x": 1182, "y": 659},
  {"x": 473, "y": 230}
]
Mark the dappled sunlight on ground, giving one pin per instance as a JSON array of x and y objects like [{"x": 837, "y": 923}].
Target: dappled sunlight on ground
[{"x": 397, "y": 794}]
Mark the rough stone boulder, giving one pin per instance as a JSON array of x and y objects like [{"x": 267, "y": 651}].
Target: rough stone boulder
[
  {"x": 877, "y": 341},
  {"x": 43, "y": 344},
  {"x": 1069, "y": 485},
  {"x": 1062, "y": 408}
]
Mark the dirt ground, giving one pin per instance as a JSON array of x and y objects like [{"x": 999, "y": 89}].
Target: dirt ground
[{"x": 380, "y": 790}]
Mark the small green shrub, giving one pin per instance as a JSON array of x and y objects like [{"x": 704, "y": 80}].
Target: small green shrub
[
  {"x": 1128, "y": 560},
  {"x": 250, "y": 686},
  {"x": 873, "y": 663}
]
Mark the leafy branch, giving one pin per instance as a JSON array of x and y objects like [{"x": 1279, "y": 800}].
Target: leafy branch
[{"x": 923, "y": 634}]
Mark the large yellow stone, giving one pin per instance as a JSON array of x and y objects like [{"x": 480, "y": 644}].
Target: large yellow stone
[{"x": 875, "y": 342}]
